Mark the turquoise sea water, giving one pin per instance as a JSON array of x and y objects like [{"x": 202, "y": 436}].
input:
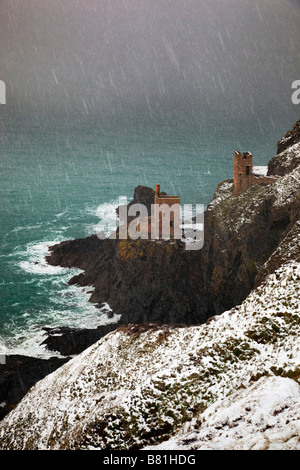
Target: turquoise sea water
[{"x": 56, "y": 182}]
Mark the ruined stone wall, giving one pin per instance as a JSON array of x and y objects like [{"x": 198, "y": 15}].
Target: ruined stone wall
[{"x": 263, "y": 180}]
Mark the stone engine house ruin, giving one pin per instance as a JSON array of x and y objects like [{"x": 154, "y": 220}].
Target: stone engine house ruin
[{"x": 244, "y": 174}]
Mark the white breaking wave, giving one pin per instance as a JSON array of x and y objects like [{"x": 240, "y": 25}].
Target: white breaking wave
[
  {"x": 35, "y": 262},
  {"x": 108, "y": 219},
  {"x": 56, "y": 303},
  {"x": 68, "y": 304}
]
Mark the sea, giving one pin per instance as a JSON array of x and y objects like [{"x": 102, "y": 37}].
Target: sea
[{"x": 58, "y": 181}]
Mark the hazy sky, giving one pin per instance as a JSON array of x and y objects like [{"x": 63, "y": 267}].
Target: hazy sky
[{"x": 66, "y": 57}]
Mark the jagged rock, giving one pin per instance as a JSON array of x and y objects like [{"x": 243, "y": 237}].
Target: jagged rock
[
  {"x": 288, "y": 248},
  {"x": 290, "y": 138},
  {"x": 141, "y": 280},
  {"x": 286, "y": 161},
  {"x": 72, "y": 341},
  {"x": 19, "y": 374},
  {"x": 142, "y": 195},
  {"x": 242, "y": 233}
]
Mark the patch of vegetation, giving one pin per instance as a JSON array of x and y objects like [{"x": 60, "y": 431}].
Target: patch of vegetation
[
  {"x": 291, "y": 374},
  {"x": 268, "y": 331},
  {"x": 291, "y": 319},
  {"x": 234, "y": 350},
  {"x": 144, "y": 249}
]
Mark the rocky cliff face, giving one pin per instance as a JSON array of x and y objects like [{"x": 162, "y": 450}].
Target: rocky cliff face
[
  {"x": 252, "y": 240},
  {"x": 291, "y": 137},
  {"x": 19, "y": 374},
  {"x": 242, "y": 233},
  {"x": 231, "y": 383},
  {"x": 162, "y": 282},
  {"x": 143, "y": 280}
]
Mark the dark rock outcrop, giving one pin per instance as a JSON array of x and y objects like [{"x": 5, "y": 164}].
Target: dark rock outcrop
[
  {"x": 141, "y": 280},
  {"x": 241, "y": 233},
  {"x": 72, "y": 341},
  {"x": 142, "y": 195},
  {"x": 19, "y": 374}
]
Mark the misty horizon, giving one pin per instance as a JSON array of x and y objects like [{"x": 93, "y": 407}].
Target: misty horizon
[{"x": 135, "y": 58}]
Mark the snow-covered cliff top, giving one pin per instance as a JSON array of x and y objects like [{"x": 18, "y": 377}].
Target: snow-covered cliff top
[
  {"x": 263, "y": 416},
  {"x": 141, "y": 385}
]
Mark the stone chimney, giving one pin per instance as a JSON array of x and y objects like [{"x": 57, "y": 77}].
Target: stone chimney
[{"x": 242, "y": 171}]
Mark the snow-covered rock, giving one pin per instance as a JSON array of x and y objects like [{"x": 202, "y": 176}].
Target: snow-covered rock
[
  {"x": 260, "y": 170},
  {"x": 264, "y": 416},
  {"x": 285, "y": 161},
  {"x": 142, "y": 384}
]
